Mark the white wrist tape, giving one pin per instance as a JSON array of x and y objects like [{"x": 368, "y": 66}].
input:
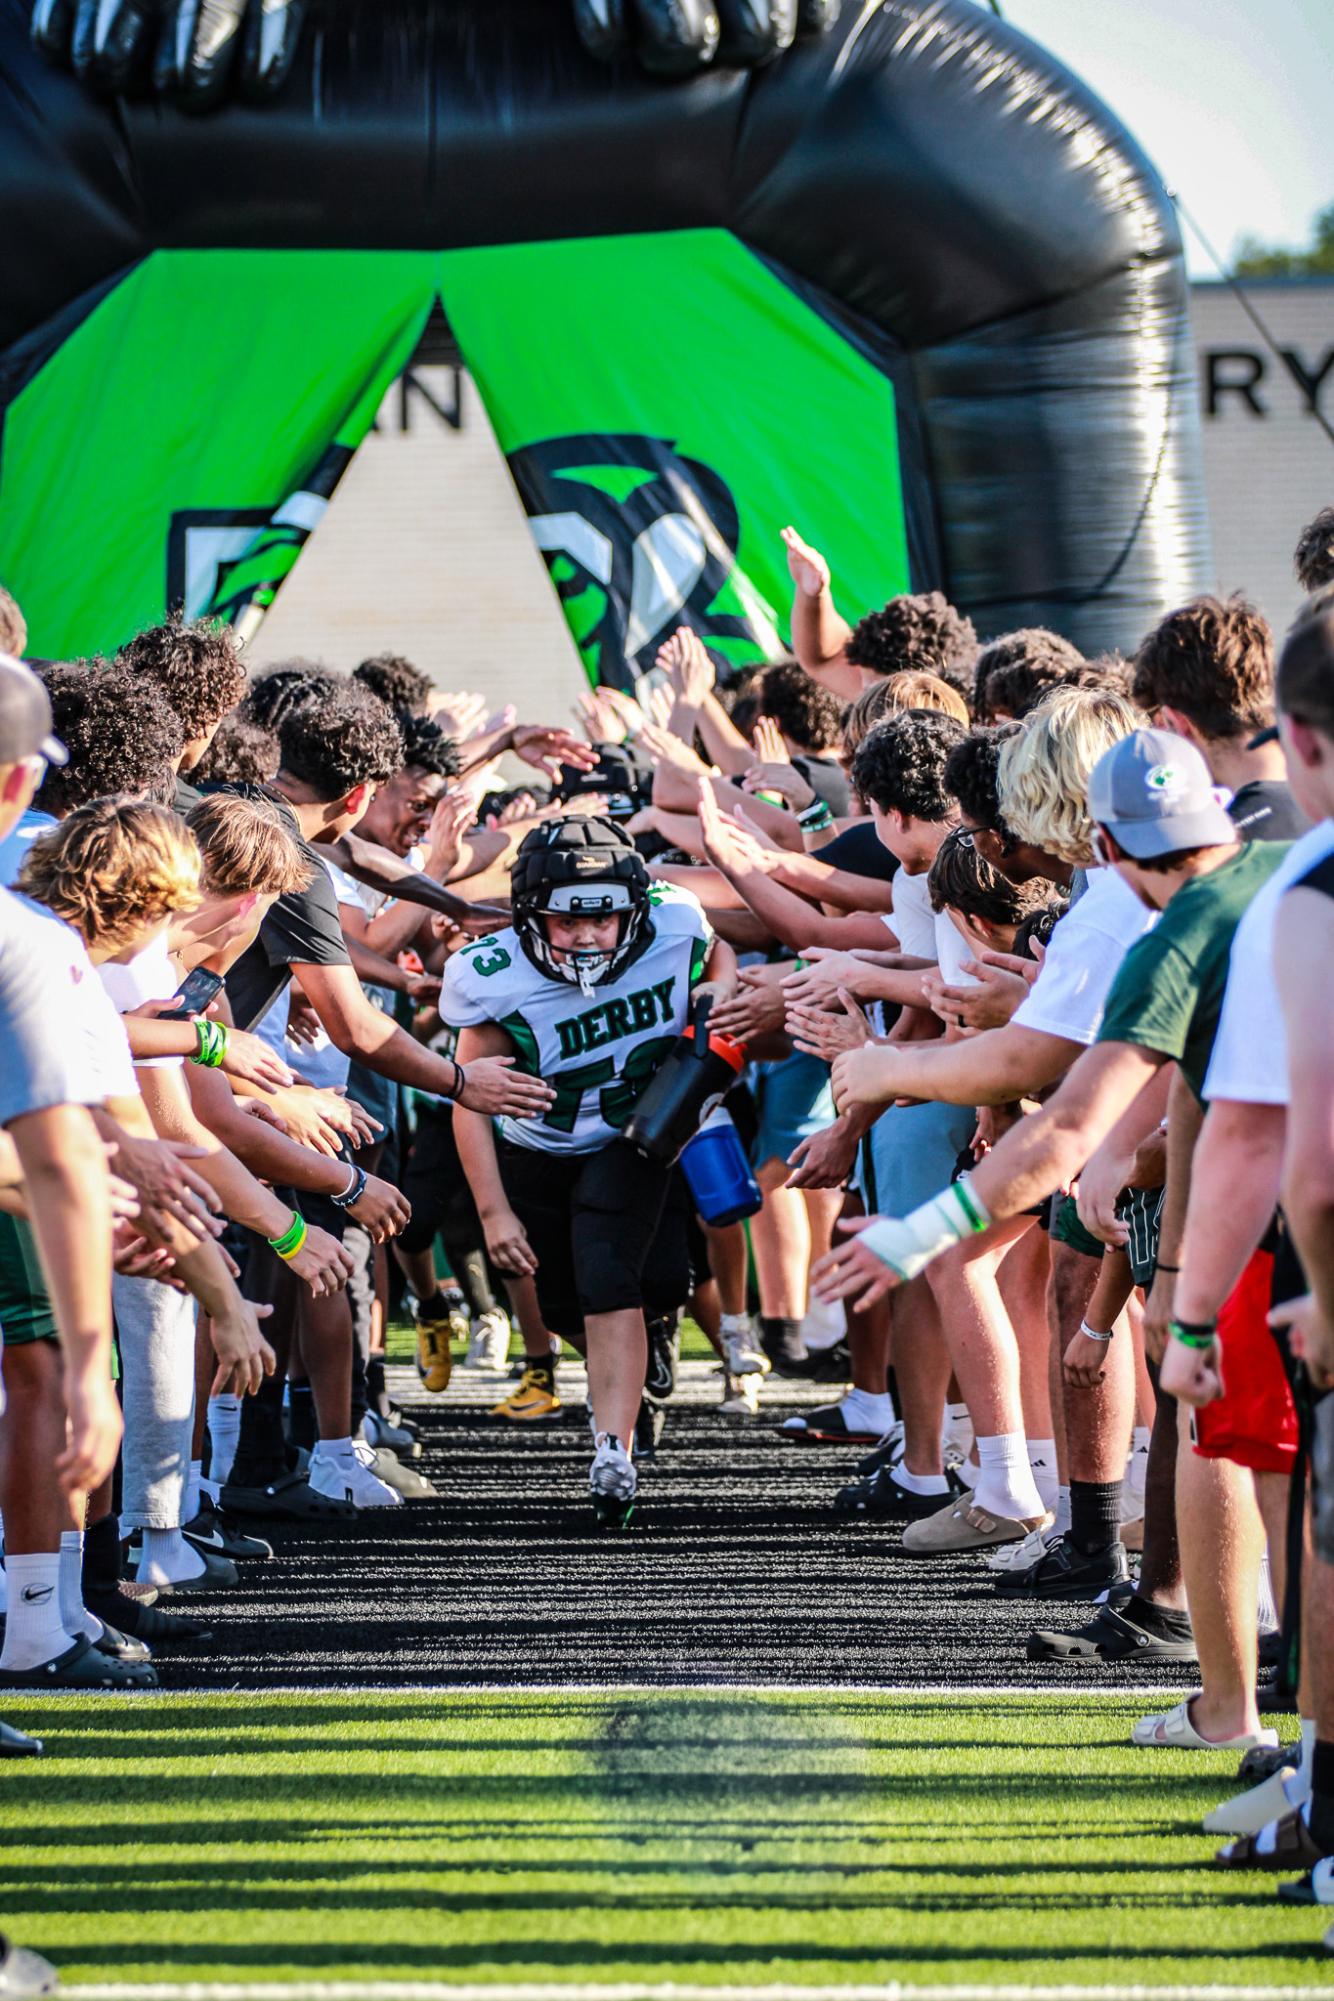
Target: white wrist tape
[{"x": 908, "y": 1244}]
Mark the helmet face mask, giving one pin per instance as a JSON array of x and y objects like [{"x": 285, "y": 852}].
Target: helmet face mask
[{"x": 580, "y": 869}]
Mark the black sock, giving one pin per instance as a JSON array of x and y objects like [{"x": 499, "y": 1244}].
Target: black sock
[
  {"x": 1159, "y": 1620},
  {"x": 780, "y": 1336},
  {"x": 101, "y": 1556},
  {"x": 261, "y": 1455},
  {"x": 301, "y": 1416},
  {"x": 1095, "y": 1515},
  {"x": 1321, "y": 1818},
  {"x": 375, "y": 1387}
]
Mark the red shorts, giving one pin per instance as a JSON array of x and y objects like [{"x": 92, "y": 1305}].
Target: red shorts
[{"x": 1254, "y": 1422}]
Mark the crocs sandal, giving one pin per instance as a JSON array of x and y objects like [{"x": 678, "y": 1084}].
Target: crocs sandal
[
  {"x": 1315, "y": 1887},
  {"x": 120, "y": 1646},
  {"x": 1257, "y": 1765},
  {"x": 219, "y": 1574},
  {"x": 1282, "y": 1844},
  {"x": 18, "y": 1744},
  {"x": 1173, "y": 1729},
  {"x": 1111, "y": 1635},
  {"x": 81, "y": 1666},
  {"x": 290, "y": 1498},
  {"x": 24, "y": 1975}
]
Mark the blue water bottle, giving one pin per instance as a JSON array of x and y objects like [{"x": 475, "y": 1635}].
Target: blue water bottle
[{"x": 718, "y": 1174}]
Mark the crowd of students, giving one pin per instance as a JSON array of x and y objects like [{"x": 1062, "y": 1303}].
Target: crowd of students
[{"x": 307, "y": 1005}]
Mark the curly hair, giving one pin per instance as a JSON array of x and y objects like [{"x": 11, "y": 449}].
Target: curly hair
[
  {"x": 804, "y": 711},
  {"x": 121, "y": 734},
  {"x": 900, "y": 766},
  {"x": 1213, "y": 660},
  {"x": 396, "y": 681},
  {"x": 111, "y": 868},
  {"x": 1306, "y": 665},
  {"x": 1014, "y": 672},
  {"x": 246, "y": 848},
  {"x": 961, "y": 880},
  {"x": 342, "y": 737},
  {"x": 241, "y": 753},
  {"x": 426, "y": 747},
  {"x": 1044, "y": 768},
  {"x": 922, "y": 634},
  {"x": 971, "y": 775},
  {"x": 195, "y": 666},
  {"x": 271, "y": 694},
  {"x": 1313, "y": 559},
  {"x": 13, "y": 626},
  {"x": 1106, "y": 674}
]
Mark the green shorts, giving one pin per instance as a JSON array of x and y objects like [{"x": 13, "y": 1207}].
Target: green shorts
[
  {"x": 1067, "y": 1229},
  {"x": 25, "y": 1306}
]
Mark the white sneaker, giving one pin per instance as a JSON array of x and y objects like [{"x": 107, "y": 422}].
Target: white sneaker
[
  {"x": 741, "y": 1394},
  {"x": 612, "y": 1474},
  {"x": 349, "y": 1477},
  {"x": 489, "y": 1342},
  {"x": 744, "y": 1355},
  {"x": 1022, "y": 1555}
]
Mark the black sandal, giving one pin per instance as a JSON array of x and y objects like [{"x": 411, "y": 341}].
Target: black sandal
[
  {"x": 81, "y": 1666},
  {"x": 1109, "y": 1636},
  {"x": 1293, "y": 1847}
]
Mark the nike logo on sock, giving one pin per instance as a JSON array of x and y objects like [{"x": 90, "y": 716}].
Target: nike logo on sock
[{"x": 37, "y": 1594}]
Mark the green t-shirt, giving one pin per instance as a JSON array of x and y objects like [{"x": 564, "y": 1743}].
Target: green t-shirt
[{"x": 1169, "y": 990}]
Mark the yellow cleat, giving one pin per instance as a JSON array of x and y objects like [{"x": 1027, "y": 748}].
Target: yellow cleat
[
  {"x": 435, "y": 1362},
  {"x": 533, "y": 1399}
]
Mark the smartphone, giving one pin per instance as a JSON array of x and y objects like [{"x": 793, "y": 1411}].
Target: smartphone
[{"x": 193, "y": 995}]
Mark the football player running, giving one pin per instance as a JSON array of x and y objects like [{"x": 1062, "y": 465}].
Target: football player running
[{"x": 589, "y": 989}]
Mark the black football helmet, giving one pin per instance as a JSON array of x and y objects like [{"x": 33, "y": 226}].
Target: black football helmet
[{"x": 580, "y": 867}]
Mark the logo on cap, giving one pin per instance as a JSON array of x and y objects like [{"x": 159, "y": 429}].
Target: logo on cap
[{"x": 1168, "y": 780}]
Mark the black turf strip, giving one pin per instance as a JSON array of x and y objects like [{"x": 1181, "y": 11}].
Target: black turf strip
[{"x": 734, "y": 1570}]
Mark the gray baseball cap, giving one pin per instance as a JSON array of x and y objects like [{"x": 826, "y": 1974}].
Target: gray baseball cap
[
  {"x": 1153, "y": 793},
  {"x": 25, "y": 716}
]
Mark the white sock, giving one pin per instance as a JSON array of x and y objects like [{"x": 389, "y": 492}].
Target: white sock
[
  {"x": 1006, "y": 1487},
  {"x": 968, "y": 1473},
  {"x": 224, "y": 1431},
  {"x": 1062, "y": 1523},
  {"x": 956, "y": 1429},
  {"x": 168, "y": 1558},
  {"x": 78, "y": 1621},
  {"x": 1042, "y": 1465},
  {"x": 925, "y": 1484},
  {"x": 1137, "y": 1469},
  {"x": 33, "y": 1630},
  {"x": 1266, "y": 1610},
  {"x": 865, "y": 1411},
  {"x": 190, "y": 1505}
]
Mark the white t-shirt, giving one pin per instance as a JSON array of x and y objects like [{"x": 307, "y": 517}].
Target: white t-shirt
[
  {"x": 1249, "y": 1064},
  {"x": 148, "y": 976},
  {"x": 952, "y": 948},
  {"x": 912, "y": 920},
  {"x": 45, "y": 1058},
  {"x": 14, "y": 848},
  {"x": 1083, "y": 957},
  {"x": 78, "y": 1005}
]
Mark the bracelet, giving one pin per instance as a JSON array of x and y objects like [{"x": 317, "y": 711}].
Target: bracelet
[
  {"x": 354, "y": 1191},
  {"x": 460, "y": 1080},
  {"x": 292, "y": 1241},
  {"x": 212, "y": 1050},
  {"x": 1159, "y": 1266},
  {"x": 1091, "y": 1333},
  {"x": 812, "y": 819},
  {"x": 1194, "y": 1333}
]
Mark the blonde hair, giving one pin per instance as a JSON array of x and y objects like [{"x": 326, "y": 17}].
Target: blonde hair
[
  {"x": 910, "y": 689},
  {"x": 110, "y": 869},
  {"x": 1043, "y": 772},
  {"x": 246, "y": 848}
]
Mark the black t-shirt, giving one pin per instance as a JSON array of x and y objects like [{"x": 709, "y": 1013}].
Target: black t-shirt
[
  {"x": 827, "y": 780},
  {"x": 302, "y": 929},
  {"x": 860, "y": 851},
  {"x": 1265, "y": 810}
]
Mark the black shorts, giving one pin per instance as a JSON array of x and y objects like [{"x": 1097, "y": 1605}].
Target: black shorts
[
  {"x": 436, "y": 1185},
  {"x": 609, "y": 1230}
]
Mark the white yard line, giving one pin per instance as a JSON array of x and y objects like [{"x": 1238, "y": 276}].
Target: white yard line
[
  {"x": 353, "y": 1691},
  {"x": 582, "y": 1990}
]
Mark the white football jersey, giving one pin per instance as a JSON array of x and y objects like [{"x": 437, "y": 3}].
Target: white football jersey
[{"x": 598, "y": 1050}]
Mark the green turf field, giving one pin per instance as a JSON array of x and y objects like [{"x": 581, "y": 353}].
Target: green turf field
[{"x": 719, "y": 1838}]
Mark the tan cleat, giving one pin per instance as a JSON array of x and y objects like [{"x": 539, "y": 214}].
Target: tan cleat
[
  {"x": 435, "y": 1362},
  {"x": 533, "y": 1400}
]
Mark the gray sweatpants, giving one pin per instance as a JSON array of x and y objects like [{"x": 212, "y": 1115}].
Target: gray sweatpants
[{"x": 156, "y": 1330}]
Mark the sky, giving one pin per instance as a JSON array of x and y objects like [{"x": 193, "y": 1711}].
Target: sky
[{"x": 1231, "y": 100}]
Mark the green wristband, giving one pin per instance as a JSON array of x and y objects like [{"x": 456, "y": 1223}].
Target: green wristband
[
  {"x": 212, "y": 1050},
  {"x": 292, "y": 1238},
  {"x": 1193, "y": 1333}
]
